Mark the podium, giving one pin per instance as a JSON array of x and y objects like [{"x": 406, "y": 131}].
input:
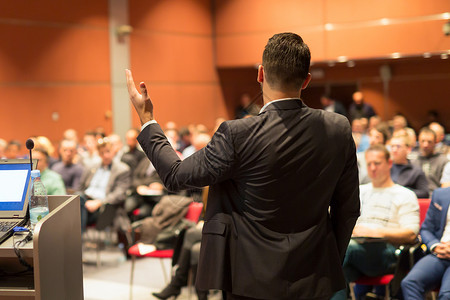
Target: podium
[{"x": 54, "y": 252}]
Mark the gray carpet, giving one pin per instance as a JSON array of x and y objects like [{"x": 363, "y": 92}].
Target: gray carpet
[{"x": 111, "y": 280}]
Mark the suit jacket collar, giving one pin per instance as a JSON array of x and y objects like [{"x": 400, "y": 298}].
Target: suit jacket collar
[{"x": 286, "y": 104}]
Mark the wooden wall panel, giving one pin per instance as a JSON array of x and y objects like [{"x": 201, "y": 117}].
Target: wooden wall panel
[
  {"x": 171, "y": 49},
  {"x": 54, "y": 59}
]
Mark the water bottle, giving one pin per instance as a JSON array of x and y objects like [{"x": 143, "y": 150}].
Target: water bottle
[{"x": 38, "y": 199}]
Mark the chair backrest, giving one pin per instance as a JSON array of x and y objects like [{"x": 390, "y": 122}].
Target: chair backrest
[
  {"x": 423, "y": 208},
  {"x": 194, "y": 211}
]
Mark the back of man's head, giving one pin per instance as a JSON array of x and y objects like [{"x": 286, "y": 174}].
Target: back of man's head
[{"x": 286, "y": 60}]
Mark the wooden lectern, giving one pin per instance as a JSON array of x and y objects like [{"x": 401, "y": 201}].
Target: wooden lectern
[{"x": 55, "y": 253}]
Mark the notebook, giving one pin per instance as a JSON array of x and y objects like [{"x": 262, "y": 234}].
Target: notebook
[{"x": 14, "y": 183}]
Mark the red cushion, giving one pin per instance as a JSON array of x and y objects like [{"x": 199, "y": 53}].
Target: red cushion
[
  {"x": 134, "y": 251},
  {"x": 378, "y": 280}
]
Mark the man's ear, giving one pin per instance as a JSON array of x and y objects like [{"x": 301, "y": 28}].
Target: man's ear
[
  {"x": 306, "y": 82},
  {"x": 260, "y": 77}
]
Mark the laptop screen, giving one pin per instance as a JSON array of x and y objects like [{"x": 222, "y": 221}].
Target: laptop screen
[{"x": 14, "y": 181}]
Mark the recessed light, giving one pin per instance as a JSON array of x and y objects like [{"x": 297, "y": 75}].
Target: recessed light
[
  {"x": 385, "y": 21},
  {"x": 342, "y": 58},
  {"x": 329, "y": 26},
  {"x": 396, "y": 55}
]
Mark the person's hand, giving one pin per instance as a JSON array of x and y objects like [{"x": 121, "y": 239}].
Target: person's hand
[
  {"x": 93, "y": 205},
  {"x": 442, "y": 250},
  {"x": 141, "y": 101}
]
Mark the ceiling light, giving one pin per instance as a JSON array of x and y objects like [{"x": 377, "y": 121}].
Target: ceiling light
[
  {"x": 329, "y": 26},
  {"x": 396, "y": 55},
  {"x": 427, "y": 55},
  {"x": 385, "y": 21},
  {"x": 342, "y": 59}
]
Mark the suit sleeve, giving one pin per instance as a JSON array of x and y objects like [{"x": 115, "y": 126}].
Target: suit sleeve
[
  {"x": 205, "y": 167},
  {"x": 345, "y": 203},
  {"x": 431, "y": 224}
]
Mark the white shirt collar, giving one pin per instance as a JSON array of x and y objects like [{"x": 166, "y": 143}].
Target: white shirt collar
[{"x": 273, "y": 101}]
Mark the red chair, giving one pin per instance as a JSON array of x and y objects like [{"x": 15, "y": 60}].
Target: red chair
[
  {"x": 193, "y": 214},
  {"x": 386, "y": 279},
  {"x": 423, "y": 208},
  {"x": 378, "y": 280}
]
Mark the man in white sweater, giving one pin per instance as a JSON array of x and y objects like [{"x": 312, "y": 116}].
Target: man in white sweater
[{"x": 389, "y": 217}]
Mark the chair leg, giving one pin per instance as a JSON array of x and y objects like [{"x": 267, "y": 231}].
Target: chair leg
[
  {"x": 133, "y": 260},
  {"x": 387, "y": 295},
  {"x": 166, "y": 278}
]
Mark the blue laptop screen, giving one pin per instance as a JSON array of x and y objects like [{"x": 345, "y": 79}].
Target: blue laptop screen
[{"x": 14, "y": 180}]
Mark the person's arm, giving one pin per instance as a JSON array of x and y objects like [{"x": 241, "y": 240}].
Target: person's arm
[
  {"x": 204, "y": 167},
  {"x": 392, "y": 235},
  {"x": 431, "y": 224},
  {"x": 421, "y": 186},
  {"x": 121, "y": 183},
  {"x": 345, "y": 203}
]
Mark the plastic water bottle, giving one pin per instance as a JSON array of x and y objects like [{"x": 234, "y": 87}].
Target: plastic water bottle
[{"x": 38, "y": 199}]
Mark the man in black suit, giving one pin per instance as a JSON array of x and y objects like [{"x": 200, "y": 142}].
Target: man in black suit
[{"x": 284, "y": 195}]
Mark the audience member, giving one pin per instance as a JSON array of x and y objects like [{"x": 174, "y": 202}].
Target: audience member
[
  {"x": 246, "y": 107},
  {"x": 45, "y": 143},
  {"x": 389, "y": 212},
  {"x": 360, "y": 109},
  {"x": 403, "y": 172},
  {"x": 431, "y": 163},
  {"x": 117, "y": 145},
  {"x": 440, "y": 147},
  {"x": 373, "y": 122},
  {"x": 3, "y": 145},
  {"x": 199, "y": 141},
  {"x": 185, "y": 138},
  {"x": 89, "y": 155},
  {"x": 431, "y": 271},
  {"x": 12, "y": 150},
  {"x": 188, "y": 258},
  {"x": 104, "y": 187},
  {"x": 71, "y": 134},
  {"x": 52, "y": 181},
  {"x": 69, "y": 170},
  {"x": 359, "y": 130},
  {"x": 146, "y": 190},
  {"x": 332, "y": 105},
  {"x": 378, "y": 135},
  {"x": 133, "y": 156}
]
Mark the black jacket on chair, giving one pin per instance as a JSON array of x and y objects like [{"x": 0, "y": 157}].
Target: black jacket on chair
[{"x": 283, "y": 200}]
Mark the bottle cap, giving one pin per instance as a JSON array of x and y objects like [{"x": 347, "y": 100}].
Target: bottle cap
[{"x": 35, "y": 173}]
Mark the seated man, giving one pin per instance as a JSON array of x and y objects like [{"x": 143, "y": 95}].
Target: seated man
[
  {"x": 104, "y": 187},
  {"x": 432, "y": 270},
  {"x": 69, "y": 170},
  {"x": 389, "y": 212},
  {"x": 403, "y": 172},
  {"x": 432, "y": 163},
  {"x": 146, "y": 190}
]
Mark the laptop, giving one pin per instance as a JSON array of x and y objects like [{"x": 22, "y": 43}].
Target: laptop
[{"x": 15, "y": 177}]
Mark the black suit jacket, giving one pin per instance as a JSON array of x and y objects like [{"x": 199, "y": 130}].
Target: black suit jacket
[{"x": 283, "y": 200}]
